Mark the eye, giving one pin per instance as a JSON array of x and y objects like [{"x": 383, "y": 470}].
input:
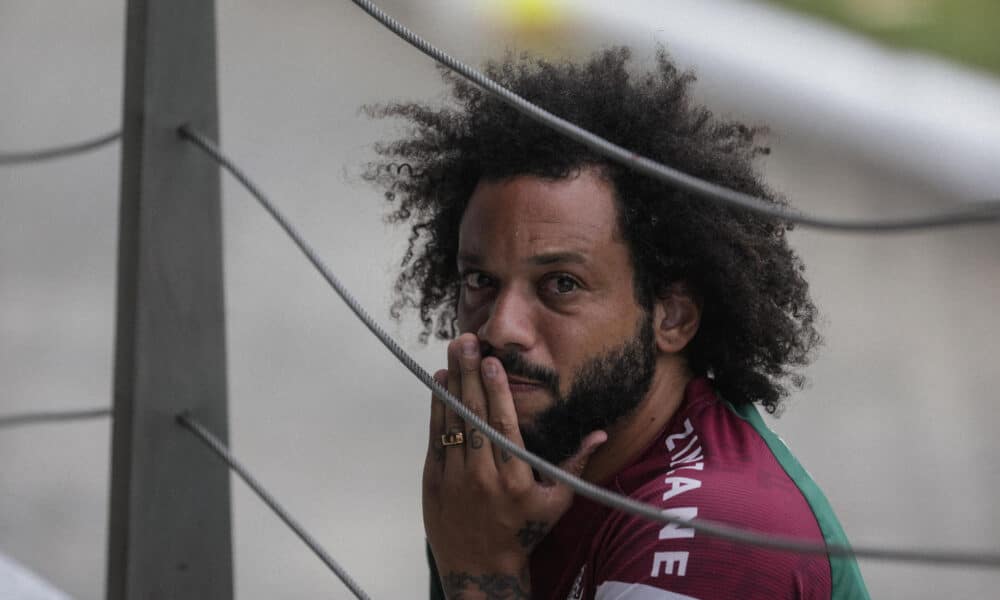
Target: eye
[
  {"x": 561, "y": 285},
  {"x": 476, "y": 280}
]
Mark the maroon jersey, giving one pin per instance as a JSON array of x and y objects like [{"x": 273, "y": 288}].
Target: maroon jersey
[{"x": 713, "y": 461}]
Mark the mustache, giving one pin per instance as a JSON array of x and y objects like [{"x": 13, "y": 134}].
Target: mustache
[{"x": 515, "y": 364}]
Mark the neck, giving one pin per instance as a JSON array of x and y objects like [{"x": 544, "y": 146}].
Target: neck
[{"x": 633, "y": 434}]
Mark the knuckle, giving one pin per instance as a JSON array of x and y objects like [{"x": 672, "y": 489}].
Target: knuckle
[
  {"x": 477, "y": 409},
  {"x": 503, "y": 426},
  {"x": 476, "y": 440},
  {"x": 479, "y": 482},
  {"x": 515, "y": 487},
  {"x": 449, "y": 493}
]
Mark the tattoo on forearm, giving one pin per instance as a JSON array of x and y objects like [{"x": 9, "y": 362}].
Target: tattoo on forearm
[
  {"x": 475, "y": 439},
  {"x": 532, "y": 533},
  {"x": 494, "y": 586}
]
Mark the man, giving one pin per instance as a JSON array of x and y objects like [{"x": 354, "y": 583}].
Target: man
[{"x": 613, "y": 325}]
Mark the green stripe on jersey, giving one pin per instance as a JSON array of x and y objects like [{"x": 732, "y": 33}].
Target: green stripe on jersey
[{"x": 845, "y": 574}]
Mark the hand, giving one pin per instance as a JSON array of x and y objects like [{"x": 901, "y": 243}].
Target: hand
[{"x": 483, "y": 509}]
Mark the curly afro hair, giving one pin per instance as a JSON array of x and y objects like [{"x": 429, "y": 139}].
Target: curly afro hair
[{"x": 757, "y": 324}]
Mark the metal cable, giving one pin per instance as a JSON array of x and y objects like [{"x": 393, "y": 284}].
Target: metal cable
[
  {"x": 29, "y": 156},
  {"x": 969, "y": 215},
  {"x": 186, "y": 420},
  {"x": 33, "y": 418},
  {"x": 584, "y": 488}
]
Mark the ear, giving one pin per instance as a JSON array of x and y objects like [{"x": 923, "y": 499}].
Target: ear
[{"x": 676, "y": 317}]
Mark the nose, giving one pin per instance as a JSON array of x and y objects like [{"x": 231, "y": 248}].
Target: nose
[{"x": 510, "y": 324}]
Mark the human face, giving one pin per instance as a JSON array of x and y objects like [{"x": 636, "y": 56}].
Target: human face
[
  {"x": 547, "y": 285},
  {"x": 607, "y": 388}
]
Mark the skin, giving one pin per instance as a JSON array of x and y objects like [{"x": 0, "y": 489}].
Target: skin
[{"x": 545, "y": 274}]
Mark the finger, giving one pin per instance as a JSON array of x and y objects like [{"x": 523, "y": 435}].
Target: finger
[
  {"x": 478, "y": 450},
  {"x": 516, "y": 474},
  {"x": 435, "y": 451},
  {"x": 454, "y": 455}
]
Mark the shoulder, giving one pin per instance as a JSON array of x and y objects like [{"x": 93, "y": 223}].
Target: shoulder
[{"x": 712, "y": 463}]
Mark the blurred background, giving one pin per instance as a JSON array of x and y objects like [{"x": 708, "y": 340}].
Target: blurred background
[{"x": 876, "y": 108}]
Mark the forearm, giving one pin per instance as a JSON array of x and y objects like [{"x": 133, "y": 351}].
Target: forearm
[{"x": 463, "y": 585}]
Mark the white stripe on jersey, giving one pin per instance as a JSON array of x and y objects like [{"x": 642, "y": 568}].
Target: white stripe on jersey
[{"x": 619, "y": 590}]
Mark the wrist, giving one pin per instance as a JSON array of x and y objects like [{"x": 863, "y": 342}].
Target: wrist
[
  {"x": 485, "y": 584},
  {"x": 455, "y": 559}
]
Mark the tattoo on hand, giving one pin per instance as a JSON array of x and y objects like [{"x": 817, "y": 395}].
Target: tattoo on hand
[
  {"x": 532, "y": 533},
  {"x": 505, "y": 455},
  {"x": 475, "y": 439},
  {"x": 494, "y": 586}
]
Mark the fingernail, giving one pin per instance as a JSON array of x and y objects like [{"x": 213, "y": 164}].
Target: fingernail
[
  {"x": 489, "y": 369},
  {"x": 469, "y": 348}
]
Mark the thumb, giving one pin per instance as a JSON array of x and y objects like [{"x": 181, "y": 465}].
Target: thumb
[{"x": 578, "y": 462}]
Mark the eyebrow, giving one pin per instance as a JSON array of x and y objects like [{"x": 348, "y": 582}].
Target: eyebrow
[
  {"x": 470, "y": 259},
  {"x": 558, "y": 257},
  {"x": 548, "y": 258}
]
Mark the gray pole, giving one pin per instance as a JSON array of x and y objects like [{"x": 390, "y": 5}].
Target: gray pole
[{"x": 169, "y": 528}]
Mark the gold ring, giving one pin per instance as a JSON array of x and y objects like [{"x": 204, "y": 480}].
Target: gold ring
[{"x": 456, "y": 438}]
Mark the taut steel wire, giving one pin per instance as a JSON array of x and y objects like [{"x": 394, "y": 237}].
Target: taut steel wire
[
  {"x": 986, "y": 213},
  {"x": 188, "y": 422},
  {"x": 34, "y": 418},
  {"x": 29, "y": 156},
  {"x": 584, "y": 488}
]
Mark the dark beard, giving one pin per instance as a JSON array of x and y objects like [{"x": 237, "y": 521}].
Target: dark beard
[{"x": 607, "y": 388}]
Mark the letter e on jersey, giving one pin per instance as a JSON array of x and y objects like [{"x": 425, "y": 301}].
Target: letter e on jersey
[{"x": 670, "y": 560}]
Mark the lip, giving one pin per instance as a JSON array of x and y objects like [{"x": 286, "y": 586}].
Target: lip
[{"x": 523, "y": 387}]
